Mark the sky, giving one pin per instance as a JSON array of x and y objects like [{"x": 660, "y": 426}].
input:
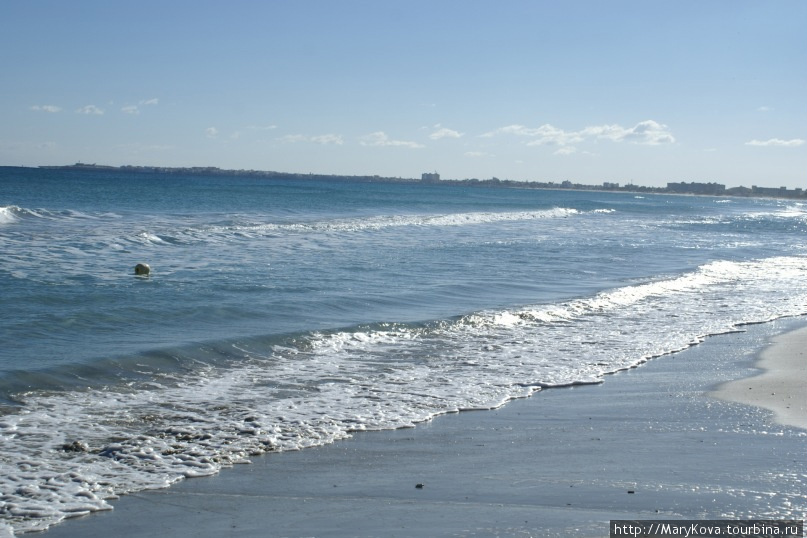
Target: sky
[{"x": 583, "y": 90}]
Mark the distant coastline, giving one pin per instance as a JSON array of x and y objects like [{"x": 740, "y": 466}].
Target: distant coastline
[{"x": 693, "y": 188}]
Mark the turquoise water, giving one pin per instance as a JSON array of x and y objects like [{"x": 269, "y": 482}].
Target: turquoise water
[{"x": 282, "y": 314}]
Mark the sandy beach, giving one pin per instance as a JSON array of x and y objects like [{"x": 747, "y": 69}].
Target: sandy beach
[
  {"x": 781, "y": 386},
  {"x": 651, "y": 442}
]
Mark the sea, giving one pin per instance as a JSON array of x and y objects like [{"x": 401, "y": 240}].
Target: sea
[{"x": 287, "y": 313}]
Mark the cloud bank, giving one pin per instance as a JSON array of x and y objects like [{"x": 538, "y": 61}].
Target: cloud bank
[
  {"x": 647, "y": 132},
  {"x": 776, "y": 142},
  {"x": 445, "y": 133},
  {"x": 90, "y": 110},
  {"x": 46, "y": 108},
  {"x": 326, "y": 139},
  {"x": 135, "y": 109},
  {"x": 379, "y": 138}
]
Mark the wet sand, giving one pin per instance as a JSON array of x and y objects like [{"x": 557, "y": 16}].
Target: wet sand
[{"x": 647, "y": 443}]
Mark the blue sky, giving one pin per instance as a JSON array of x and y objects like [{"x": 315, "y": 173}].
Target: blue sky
[{"x": 590, "y": 91}]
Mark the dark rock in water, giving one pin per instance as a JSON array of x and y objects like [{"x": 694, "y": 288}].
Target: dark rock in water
[
  {"x": 75, "y": 446},
  {"x": 419, "y": 486},
  {"x": 142, "y": 269},
  {"x": 111, "y": 451}
]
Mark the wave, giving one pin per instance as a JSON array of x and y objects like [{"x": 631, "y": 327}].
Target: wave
[
  {"x": 347, "y": 223},
  {"x": 144, "y": 232},
  {"x": 783, "y": 218},
  {"x": 379, "y": 222},
  {"x": 241, "y": 228},
  {"x": 14, "y": 213},
  {"x": 793, "y": 211},
  {"x": 68, "y": 452},
  {"x": 182, "y": 230}
]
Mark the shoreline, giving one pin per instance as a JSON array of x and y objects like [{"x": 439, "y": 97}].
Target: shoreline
[
  {"x": 781, "y": 386},
  {"x": 648, "y": 443}
]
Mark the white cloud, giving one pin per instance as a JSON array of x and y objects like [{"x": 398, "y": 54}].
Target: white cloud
[
  {"x": 91, "y": 110},
  {"x": 379, "y": 138},
  {"x": 328, "y": 139},
  {"x": 776, "y": 142},
  {"x": 211, "y": 132},
  {"x": 650, "y": 132},
  {"x": 510, "y": 129},
  {"x": 647, "y": 132},
  {"x": 551, "y": 135},
  {"x": 46, "y": 108},
  {"x": 544, "y": 135},
  {"x": 445, "y": 133},
  {"x": 476, "y": 154},
  {"x": 764, "y": 109},
  {"x": 135, "y": 109},
  {"x": 261, "y": 127},
  {"x": 325, "y": 139},
  {"x": 566, "y": 150}
]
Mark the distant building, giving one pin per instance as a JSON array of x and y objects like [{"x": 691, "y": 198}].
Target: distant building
[
  {"x": 768, "y": 191},
  {"x": 609, "y": 185},
  {"x": 739, "y": 191},
  {"x": 432, "y": 177},
  {"x": 696, "y": 188}
]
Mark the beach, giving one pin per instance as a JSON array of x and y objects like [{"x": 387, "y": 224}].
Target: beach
[
  {"x": 372, "y": 270},
  {"x": 781, "y": 386},
  {"x": 650, "y": 442},
  {"x": 348, "y": 331}
]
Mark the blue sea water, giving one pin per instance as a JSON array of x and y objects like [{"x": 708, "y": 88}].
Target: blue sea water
[{"x": 287, "y": 313}]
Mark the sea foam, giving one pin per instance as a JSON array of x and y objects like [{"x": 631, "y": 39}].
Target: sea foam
[{"x": 70, "y": 452}]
